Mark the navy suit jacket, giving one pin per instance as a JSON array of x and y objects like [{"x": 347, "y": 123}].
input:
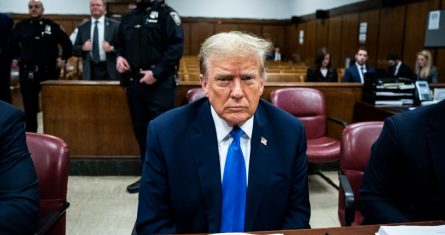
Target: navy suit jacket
[
  {"x": 353, "y": 75},
  {"x": 19, "y": 191},
  {"x": 181, "y": 179},
  {"x": 405, "y": 176},
  {"x": 111, "y": 28}
]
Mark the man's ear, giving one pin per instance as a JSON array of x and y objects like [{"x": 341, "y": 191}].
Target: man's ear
[{"x": 203, "y": 82}]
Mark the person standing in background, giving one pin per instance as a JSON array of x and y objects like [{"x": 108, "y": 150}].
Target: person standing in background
[
  {"x": 6, "y": 24},
  {"x": 322, "y": 70},
  {"x": 425, "y": 70},
  {"x": 94, "y": 43},
  {"x": 150, "y": 45},
  {"x": 35, "y": 49}
]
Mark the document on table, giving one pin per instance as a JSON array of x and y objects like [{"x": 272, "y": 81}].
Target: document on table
[{"x": 411, "y": 230}]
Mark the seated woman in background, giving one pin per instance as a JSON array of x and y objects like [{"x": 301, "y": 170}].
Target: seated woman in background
[
  {"x": 322, "y": 70},
  {"x": 425, "y": 70}
]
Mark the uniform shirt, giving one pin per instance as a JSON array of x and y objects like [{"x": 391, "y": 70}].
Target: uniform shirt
[
  {"x": 151, "y": 38},
  {"x": 36, "y": 41}
]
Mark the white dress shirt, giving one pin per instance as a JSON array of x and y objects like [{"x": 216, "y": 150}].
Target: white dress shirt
[
  {"x": 224, "y": 139},
  {"x": 101, "y": 31},
  {"x": 361, "y": 71}
]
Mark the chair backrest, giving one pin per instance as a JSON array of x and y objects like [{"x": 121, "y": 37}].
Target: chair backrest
[
  {"x": 51, "y": 160},
  {"x": 357, "y": 140},
  {"x": 194, "y": 94},
  {"x": 306, "y": 104}
]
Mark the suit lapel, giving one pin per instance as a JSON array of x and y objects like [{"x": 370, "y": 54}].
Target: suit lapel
[
  {"x": 107, "y": 33},
  {"x": 207, "y": 162},
  {"x": 259, "y": 160},
  {"x": 436, "y": 144}
]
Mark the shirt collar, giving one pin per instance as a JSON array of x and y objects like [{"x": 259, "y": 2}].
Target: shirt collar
[
  {"x": 101, "y": 20},
  {"x": 223, "y": 129}
]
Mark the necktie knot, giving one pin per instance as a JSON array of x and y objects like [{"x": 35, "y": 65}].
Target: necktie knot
[
  {"x": 96, "y": 22},
  {"x": 236, "y": 133}
]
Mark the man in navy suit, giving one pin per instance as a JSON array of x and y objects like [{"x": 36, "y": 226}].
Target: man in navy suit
[
  {"x": 357, "y": 71},
  {"x": 405, "y": 176},
  {"x": 19, "y": 189},
  {"x": 184, "y": 175},
  {"x": 103, "y": 67}
]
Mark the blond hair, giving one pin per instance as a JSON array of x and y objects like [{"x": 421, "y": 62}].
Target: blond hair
[
  {"x": 424, "y": 71},
  {"x": 233, "y": 44}
]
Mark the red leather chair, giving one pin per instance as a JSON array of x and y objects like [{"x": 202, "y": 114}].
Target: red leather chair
[
  {"x": 194, "y": 94},
  {"x": 356, "y": 145},
  {"x": 309, "y": 106},
  {"x": 51, "y": 160}
]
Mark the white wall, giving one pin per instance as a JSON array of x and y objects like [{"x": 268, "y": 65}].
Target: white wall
[{"x": 248, "y": 9}]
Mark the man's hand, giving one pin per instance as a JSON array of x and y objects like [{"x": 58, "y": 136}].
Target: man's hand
[
  {"x": 148, "y": 77},
  {"x": 122, "y": 65},
  {"x": 60, "y": 63},
  {"x": 87, "y": 46},
  {"x": 107, "y": 47}
]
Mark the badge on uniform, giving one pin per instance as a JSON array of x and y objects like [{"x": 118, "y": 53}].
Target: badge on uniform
[
  {"x": 153, "y": 18},
  {"x": 175, "y": 18},
  {"x": 47, "y": 29}
]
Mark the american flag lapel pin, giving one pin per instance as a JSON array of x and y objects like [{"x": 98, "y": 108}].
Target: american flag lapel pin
[{"x": 263, "y": 141}]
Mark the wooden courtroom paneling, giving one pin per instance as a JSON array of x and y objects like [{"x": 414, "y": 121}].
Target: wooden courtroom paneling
[
  {"x": 349, "y": 36},
  {"x": 291, "y": 42},
  {"x": 392, "y": 28},
  {"x": 334, "y": 41},
  {"x": 415, "y": 29},
  {"x": 200, "y": 32},
  {"x": 91, "y": 117},
  {"x": 440, "y": 63},
  {"x": 310, "y": 35},
  {"x": 226, "y": 27},
  {"x": 301, "y": 48},
  {"x": 372, "y": 18},
  {"x": 275, "y": 33},
  {"x": 322, "y": 32},
  {"x": 251, "y": 28}
]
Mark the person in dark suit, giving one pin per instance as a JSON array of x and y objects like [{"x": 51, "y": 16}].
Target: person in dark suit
[
  {"x": 275, "y": 55},
  {"x": 6, "y": 24},
  {"x": 398, "y": 69},
  {"x": 19, "y": 189},
  {"x": 100, "y": 63},
  {"x": 357, "y": 71},
  {"x": 405, "y": 176},
  {"x": 322, "y": 70},
  {"x": 186, "y": 188}
]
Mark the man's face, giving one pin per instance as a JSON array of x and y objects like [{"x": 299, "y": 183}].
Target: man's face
[
  {"x": 234, "y": 87},
  {"x": 391, "y": 62},
  {"x": 361, "y": 57},
  {"x": 35, "y": 9},
  {"x": 97, "y": 8}
]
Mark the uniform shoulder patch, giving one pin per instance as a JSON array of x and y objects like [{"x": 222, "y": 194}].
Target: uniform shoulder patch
[{"x": 175, "y": 18}]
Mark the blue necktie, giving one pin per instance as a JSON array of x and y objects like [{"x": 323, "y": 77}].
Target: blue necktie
[{"x": 234, "y": 187}]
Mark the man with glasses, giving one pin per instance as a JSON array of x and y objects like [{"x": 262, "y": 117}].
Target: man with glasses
[{"x": 35, "y": 49}]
